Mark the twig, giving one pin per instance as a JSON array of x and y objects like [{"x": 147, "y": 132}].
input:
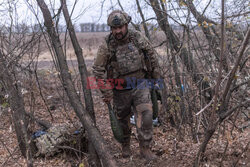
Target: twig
[
  {"x": 160, "y": 44},
  {"x": 200, "y": 17},
  {"x": 202, "y": 110},
  {"x": 244, "y": 150},
  {"x": 71, "y": 148},
  {"x": 10, "y": 156},
  {"x": 229, "y": 112},
  {"x": 206, "y": 7},
  {"x": 41, "y": 94},
  {"x": 224, "y": 154},
  {"x": 245, "y": 115},
  {"x": 237, "y": 15}
]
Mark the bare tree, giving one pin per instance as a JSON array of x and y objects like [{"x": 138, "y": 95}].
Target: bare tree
[
  {"x": 20, "y": 119},
  {"x": 93, "y": 160},
  {"x": 213, "y": 39},
  {"x": 223, "y": 111},
  {"x": 88, "y": 123},
  {"x": 17, "y": 41}
]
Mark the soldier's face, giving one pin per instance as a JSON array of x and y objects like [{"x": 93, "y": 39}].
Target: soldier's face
[{"x": 119, "y": 32}]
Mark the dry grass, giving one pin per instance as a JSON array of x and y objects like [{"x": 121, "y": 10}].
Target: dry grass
[{"x": 90, "y": 43}]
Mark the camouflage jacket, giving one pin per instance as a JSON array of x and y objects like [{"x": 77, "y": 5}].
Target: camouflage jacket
[{"x": 126, "y": 64}]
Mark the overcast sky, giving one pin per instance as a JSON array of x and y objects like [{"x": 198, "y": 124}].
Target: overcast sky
[
  {"x": 92, "y": 10},
  {"x": 85, "y": 11}
]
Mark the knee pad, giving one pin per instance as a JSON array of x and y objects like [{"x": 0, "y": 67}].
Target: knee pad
[{"x": 144, "y": 116}]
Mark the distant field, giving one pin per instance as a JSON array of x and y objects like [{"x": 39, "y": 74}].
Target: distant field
[{"x": 90, "y": 43}]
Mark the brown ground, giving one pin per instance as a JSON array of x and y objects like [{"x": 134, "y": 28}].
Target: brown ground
[{"x": 170, "y": 150}]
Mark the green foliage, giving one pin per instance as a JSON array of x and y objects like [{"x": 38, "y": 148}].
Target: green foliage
[{"x": 5, "y": 104}]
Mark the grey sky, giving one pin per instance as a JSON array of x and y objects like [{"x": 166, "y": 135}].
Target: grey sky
[{"x": 90, "y": 10}]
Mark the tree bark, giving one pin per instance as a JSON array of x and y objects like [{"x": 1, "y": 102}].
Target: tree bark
[
  {"x": 180, "y": 93},
  {"x": 19, "y": 117},
  {"x": 143, "y": 20},
  {"x": 93, "y": 159},
  {"x": 93, "y": 133}
]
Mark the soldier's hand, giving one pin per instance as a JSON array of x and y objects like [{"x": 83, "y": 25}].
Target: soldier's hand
[
  {"x": 107, "y": 99},
  {"x": 107, "y": 96}
]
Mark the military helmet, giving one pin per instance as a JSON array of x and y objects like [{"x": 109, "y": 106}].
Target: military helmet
[{"x": 118, "y": 18}]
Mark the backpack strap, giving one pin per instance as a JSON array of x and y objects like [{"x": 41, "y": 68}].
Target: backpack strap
[
  {"x": 112, "y": 56},
  {"x": 143, "y": 51}
]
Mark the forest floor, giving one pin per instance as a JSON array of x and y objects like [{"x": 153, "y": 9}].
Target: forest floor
[{"x": 170, "y": 149}]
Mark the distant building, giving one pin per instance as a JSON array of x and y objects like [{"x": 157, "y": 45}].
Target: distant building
[{"x": 92, "y": 27}]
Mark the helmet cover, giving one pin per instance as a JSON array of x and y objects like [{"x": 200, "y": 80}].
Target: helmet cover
[{"x": 118, "y": 18}]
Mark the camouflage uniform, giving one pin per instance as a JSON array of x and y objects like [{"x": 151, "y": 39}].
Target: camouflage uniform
[{"x": 127, "y": 60}]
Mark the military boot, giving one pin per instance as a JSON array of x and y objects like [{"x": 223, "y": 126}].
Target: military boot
[
  {"x": 126, "y": 152},
  {"x": 147, "y": 153}
]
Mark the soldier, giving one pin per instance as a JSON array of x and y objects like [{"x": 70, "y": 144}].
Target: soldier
[{"x": 127, "y": 54}]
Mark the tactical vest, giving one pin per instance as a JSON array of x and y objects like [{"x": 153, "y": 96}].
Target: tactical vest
[{"x": 125, "y": 59}]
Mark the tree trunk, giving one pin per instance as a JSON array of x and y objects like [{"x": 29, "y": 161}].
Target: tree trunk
[
  {"x": 93, "y": 159},
  {"x": 143, "y": 20},
  {"x": 93, "y": 133},
  {"x": 180, "y": 93},
  {"x": 19, "y": 117}
]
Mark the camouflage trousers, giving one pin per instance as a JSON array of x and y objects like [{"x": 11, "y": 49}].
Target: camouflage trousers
[{"x": 137, "y": 102}]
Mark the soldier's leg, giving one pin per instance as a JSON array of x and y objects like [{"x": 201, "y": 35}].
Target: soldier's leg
[
  {"x": 143, "y": 114},
  {"x": 143, "y": 117},
  {"x": 122, "y": 105},
  {"x": 144, "y": 124}
]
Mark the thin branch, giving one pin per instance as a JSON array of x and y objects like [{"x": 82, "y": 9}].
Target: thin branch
[
  {"x": 206, "y": 8},
  {"x": 133, "y": 24},
  {"x": 237, "y": 15},
  {"x": 229, "y": 112},
  {"x": 232, "y": 74},
  {"x": 221, "y": 57},
  {"x": 203, "y": 109},
  {"x": 200, "y": 17},
  {"x": 243, "y": 151}
]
